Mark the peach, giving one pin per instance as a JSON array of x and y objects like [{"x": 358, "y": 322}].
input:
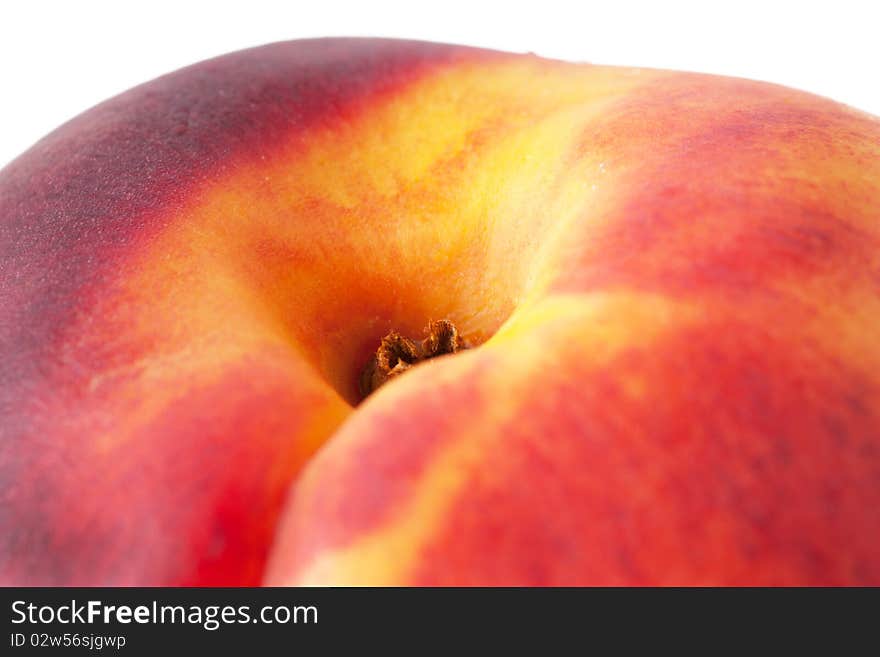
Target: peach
[{"x": 669, "y": 284}]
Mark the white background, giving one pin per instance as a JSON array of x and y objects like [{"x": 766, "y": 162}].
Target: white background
[{"x": 59, "y": 58}]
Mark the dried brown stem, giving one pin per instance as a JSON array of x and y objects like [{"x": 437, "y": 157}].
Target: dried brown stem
[{"x": 396, "y": 353}]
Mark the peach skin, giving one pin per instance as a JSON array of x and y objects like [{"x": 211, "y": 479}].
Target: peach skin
[{"x": 363, "y": 311}]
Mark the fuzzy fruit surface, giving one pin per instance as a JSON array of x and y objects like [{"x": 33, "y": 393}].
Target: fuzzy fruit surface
[{"x": 672, "y": 282}]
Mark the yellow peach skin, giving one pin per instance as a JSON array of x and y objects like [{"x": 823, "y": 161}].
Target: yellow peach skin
[{"x": 672, "y": 282}]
